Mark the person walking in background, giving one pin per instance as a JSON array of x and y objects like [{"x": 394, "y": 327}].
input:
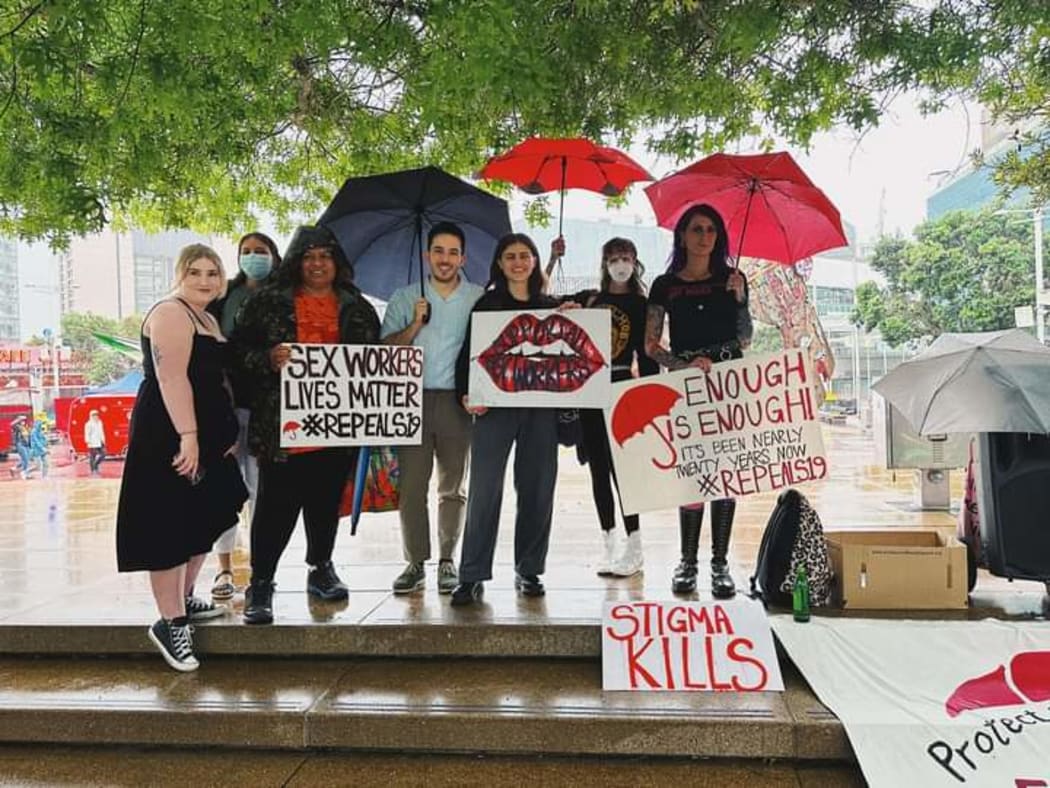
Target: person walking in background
[
  {"x": 706, "y": 303},
  {"x": 39, "y": 450},
  {"x": 622, "y": 292},
  {"x": 257, "y": 258},
  {"x": 515, "y": 282},
  {"x": 181, "y": 487},
  {"x": 20, "y": 443},
  {"x": 95, "y": 440},
  {"x": 437, "y": 323},
  {"x": 312, "y": 299}
]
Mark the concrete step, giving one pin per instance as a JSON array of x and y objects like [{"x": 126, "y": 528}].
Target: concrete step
[
  {"x": 491, "y": 706},
  {"x": 136, "y": 766}
]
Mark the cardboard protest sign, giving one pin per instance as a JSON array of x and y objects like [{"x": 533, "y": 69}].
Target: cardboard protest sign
[
  {"x": 352, "y": 395},
  {"x": 747, "y": 426},
  {"x": 933, "y": 703},
  {"x": 711, "y": 647},
  {"x": 540, "y": 359}
]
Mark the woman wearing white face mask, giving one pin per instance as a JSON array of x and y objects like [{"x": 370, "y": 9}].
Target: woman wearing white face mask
[
  {"x": 257, "y": 258},
  {"x": 623, "y": 294}
]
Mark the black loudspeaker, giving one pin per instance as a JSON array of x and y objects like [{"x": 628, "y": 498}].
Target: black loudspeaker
[{"x": 1014, "y": 504}]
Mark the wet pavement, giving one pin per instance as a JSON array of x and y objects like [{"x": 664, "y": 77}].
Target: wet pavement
[
  {"x": 57, "y": 556},
  {"x": 527, "y": 707}
]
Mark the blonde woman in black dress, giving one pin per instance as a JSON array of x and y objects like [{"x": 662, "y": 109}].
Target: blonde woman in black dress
[{"x": 181, "y": 486}]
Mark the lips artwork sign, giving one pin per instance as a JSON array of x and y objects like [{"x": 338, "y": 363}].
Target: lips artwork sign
[
  {"x": 747, "y": 426},
  {"x": 933, "y": 703},
  {"x": 540, "y": 359},
  {"x": 352, "y": 395}
]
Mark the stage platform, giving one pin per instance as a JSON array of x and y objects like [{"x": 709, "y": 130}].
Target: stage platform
[{"x": 385, "y": 683}]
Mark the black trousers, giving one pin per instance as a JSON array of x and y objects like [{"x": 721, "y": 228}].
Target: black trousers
[
  {"x": 311, "y": 483},
  {"x": 603, "y": 475}
]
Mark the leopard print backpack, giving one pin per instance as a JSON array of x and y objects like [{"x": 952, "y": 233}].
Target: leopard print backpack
[{"x": 794, "y": 538}]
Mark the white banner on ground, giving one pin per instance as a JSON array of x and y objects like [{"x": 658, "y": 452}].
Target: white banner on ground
[
  {"x": 692, "y": 646},
  {"x": 747, "y": 426},
  {"x": 933, "y": 703},
  {"x": 352, "y": 395},
  {"x": 540, "y": 359}
]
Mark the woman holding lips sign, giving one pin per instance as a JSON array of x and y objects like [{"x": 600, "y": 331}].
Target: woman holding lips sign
[
  {"x": 515, "y": 283},
  {"x": 706, "y": 303}
]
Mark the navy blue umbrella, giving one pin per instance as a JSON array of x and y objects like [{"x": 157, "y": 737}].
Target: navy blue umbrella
[{"x": 382, "y": 221}]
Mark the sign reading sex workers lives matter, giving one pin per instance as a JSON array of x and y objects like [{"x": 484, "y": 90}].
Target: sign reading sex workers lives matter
[
  {"x": 747, "y": 426},
  {"x": 352, "y": 395},
  {"x": 688, "y": 646}
]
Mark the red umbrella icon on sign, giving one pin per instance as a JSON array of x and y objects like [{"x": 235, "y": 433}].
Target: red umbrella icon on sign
[
  {"x": 640, "y": 408},
  {"x": 291, "y": 429}
]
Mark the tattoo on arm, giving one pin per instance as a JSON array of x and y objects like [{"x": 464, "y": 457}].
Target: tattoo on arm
[
  {"x": 156, "y": 354},
  {"x": 654, "y": 329}
]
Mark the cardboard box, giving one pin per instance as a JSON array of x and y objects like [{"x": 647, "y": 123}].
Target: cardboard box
[{"x": 898, "y": 569}]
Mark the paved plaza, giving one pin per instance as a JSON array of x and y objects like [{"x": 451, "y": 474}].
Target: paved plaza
[
  {"x": 58, "y": 563},
  {"x": 400, "y": 690}
]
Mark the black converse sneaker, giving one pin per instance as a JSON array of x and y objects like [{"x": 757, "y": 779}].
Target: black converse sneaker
[
  {"x": 199, "y": 610},
  {"x": 173, "y": 639}
]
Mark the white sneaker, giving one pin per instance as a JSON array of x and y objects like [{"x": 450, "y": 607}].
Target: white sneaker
[
  {"x": 630, "y": 561},
  {"x": 605, "y": 561}
]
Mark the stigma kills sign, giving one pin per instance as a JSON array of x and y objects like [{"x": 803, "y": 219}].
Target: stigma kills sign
[
  {"x": 913, "y": 716},
  {"x": 713, "y": 647},
  {"x": 352, "y": 395},
  {"x": 540, "y": 359},
  {"x": 747, "y": 426}
]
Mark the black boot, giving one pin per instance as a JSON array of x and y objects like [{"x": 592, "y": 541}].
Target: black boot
[
  {"x": 258, "y": 602},
  {"x": 689, "y": 520},
  {"x": 722, "y": 585}
]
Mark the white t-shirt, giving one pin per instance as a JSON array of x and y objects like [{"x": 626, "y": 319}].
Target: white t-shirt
[{"x": 94, "y": 434}]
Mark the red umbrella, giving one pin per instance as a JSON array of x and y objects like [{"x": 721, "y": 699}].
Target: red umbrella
[
  {"x": 766, "y": 195},
  {"x": 639, "y": 408},
  {"x": 540, "y": 165}
]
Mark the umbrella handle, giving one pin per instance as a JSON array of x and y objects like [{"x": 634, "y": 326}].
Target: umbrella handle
[
  {"x": 674, "y": 454},
  {"x": 422, "y": 271},
  {"x": 751, "y": 189}
]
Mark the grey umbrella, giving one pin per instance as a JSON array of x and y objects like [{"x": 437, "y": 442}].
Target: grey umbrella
[{"x": 995, "y": 381}]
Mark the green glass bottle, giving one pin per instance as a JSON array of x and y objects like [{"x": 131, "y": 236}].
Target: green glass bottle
[{"x": 800, "y": 596}]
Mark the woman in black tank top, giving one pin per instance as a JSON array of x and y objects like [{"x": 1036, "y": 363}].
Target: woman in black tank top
[
  {"x": 181, "y": 486},
  {"x": 705, "y": 302}
]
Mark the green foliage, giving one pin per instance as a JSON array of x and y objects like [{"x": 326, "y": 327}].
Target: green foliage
[
  {"x": 964, "y": 271},
  {"x": 207, "y": 113},
  {"x": 103, "y": 364}
]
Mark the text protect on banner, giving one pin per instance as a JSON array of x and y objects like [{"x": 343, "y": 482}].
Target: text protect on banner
[
  {"x": 352, "y": 395},
  {"x": 674, "y": 646},
  {"x": 747, "y": 426}
]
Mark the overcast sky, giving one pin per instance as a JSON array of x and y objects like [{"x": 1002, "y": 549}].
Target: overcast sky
[{"x": 899, "y": 157}]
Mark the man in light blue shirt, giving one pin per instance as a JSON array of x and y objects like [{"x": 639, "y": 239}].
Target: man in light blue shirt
[{"x": 446, "y": 425}]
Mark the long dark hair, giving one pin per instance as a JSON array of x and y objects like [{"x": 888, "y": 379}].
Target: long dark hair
[
  {"x": 498, "y": 280},
  {"x": 719, "y": 255},
  {"x": 622, "y": 246},
  {"x": 275, "y": 255},
  {"x": 291, "y": 271}
]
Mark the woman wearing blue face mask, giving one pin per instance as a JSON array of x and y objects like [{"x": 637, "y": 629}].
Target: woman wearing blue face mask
[{"x": 257, "y": 258}]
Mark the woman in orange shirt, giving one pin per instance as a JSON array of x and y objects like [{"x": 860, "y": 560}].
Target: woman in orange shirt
[{"x": 311, "y": 300}]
